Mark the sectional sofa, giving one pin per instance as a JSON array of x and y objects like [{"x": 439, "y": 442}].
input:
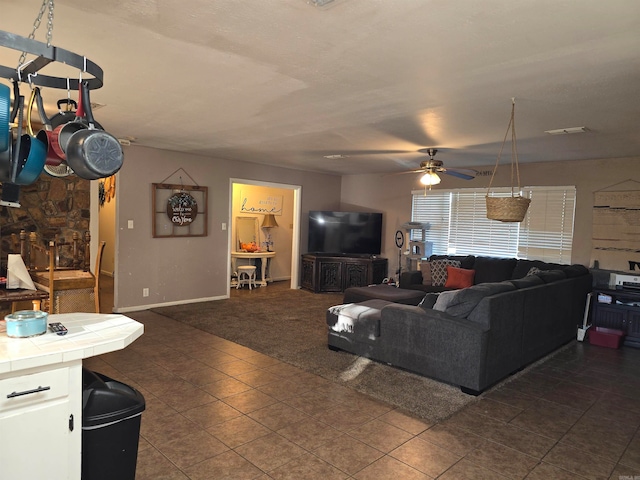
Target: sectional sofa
[{"x": 513, "y": 313}]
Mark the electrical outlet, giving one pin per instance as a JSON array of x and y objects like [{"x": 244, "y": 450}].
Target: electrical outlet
[{"x": 145, "y": 292}]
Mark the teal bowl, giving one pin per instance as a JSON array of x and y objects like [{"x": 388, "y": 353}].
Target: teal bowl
[{"x": 26, "y": 323}]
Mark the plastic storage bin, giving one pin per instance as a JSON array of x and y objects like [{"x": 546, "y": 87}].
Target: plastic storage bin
[
  {"x": 606, "y": 337},
  {"x": 111, "y": 415}
]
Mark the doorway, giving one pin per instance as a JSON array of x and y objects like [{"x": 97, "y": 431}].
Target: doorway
[{"x": 256, "y": 198}]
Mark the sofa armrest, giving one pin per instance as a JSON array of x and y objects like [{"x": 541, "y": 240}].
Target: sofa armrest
[{"x": 410, "y": 278}]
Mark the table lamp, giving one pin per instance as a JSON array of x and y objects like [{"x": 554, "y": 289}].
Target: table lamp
[{"x": 268, "y": 223}]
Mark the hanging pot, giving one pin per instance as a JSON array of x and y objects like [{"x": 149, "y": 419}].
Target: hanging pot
[
  {"x": 45, "y": 135},
  {"x": 5, "y": 102},
  {"x": 93, "y": 153},
  {"x": 6, "y": 157},
  {"x": 64, "y": 116},
  {"x": 68, "y": 115},
  {"x": 33, "y": 151},
  {"x": 62, "y": 133}
]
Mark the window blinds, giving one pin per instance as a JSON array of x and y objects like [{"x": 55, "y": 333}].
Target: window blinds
[{"x": 458, "y": 224}]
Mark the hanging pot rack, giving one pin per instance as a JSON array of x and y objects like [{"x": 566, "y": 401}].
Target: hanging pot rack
[{"x": 46, "y": 54}]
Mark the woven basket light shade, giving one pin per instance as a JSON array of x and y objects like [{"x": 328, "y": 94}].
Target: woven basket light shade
[
  {"x": 507, "y": 209},
  {"x": 513, "y": 208}
]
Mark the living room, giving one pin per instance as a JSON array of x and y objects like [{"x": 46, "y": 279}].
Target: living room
[{"x": 380, "y": 82}]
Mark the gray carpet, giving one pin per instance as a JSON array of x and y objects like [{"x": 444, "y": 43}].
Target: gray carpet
[{"x": 290, "y": 326}]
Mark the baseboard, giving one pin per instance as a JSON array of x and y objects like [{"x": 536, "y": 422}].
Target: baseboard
[{"x": 138, "y": 308}]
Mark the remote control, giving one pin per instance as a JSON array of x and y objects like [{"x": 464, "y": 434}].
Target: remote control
[{"x": 58, "y": 328}]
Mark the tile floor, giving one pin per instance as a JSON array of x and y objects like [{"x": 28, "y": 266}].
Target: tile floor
[{"x": 218, "y": 410}]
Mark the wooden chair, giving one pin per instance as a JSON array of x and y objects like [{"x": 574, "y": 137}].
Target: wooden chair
[{"x": 71, "y": 286}]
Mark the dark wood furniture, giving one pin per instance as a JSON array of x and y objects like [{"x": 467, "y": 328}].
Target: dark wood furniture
[
  {"x": 622, "y": 313},
  {"x": 16, "y": 295},
  {"x": 335, "y": 273}
]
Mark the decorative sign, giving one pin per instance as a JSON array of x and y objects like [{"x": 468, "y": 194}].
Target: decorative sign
[
  {"x": 252, "y": 203},
  {"x": 182, "y": 208},
  {"x": 179, "y": 210}
]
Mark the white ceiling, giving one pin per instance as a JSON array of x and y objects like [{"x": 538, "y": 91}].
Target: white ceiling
[{"x": 286, "y": 82}]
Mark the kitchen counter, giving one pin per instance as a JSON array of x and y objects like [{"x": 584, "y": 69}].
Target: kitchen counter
[
  {"x": 89, "y": 334},
  {"x": 41, "y": 392}
]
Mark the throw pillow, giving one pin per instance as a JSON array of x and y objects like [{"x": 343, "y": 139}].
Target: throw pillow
[
  {"x": 429, "y": 301},
  {"x": 445, "y": 299},
  {"x": 425, "y": 268},
  {"x": 459, "y": 277},
  {"x": 439, "y": 270},
  {"x": 533, "y": 271}
]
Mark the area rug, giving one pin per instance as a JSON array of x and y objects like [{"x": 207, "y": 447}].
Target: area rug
[{"x": 290, "y": 325}]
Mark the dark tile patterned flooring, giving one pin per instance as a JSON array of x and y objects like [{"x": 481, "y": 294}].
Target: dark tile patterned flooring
[{"x": 218, "y": 410}]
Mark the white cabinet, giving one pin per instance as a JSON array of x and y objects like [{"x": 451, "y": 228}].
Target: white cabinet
[
  {"x": 41, "y": 423},
  {"x": 41, "y": 394}
]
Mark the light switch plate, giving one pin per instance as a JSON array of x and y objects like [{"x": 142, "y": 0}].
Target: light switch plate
[{"x": 130, "y": 224}]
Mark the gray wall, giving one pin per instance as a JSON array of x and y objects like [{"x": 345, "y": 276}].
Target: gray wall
[
  {"x": 190, "y": 269},
  {"x": 392, "y": 194},
  {"x": 180, "y": 270}
]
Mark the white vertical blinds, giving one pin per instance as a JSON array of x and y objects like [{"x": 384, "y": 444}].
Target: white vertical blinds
[{"x": 458, "y": 224}]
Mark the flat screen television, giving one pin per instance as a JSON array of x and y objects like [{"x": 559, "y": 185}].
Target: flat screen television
[{"x": 355, "y": 233}]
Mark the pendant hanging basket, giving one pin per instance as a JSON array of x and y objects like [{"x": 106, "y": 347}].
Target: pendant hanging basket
[
  {"x": 512, "y": 208},
  {"x": 507, "y": 209}
]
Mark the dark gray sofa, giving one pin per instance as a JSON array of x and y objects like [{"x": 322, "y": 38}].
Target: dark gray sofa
[{"x": 485, "y": 333}]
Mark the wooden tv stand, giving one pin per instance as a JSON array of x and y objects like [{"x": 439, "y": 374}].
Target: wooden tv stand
[{"x": 323, "y": 273}]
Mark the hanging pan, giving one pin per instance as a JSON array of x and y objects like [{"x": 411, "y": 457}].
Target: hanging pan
[
  {"x": 32, "y": 153},
  {"x": 45, "y": 135},
  {"x": 6, "y": 157},
  {"x": 5, "y": 102},
  {"x": 93, "y": 153},
  {"x": 63, "y": 132}
]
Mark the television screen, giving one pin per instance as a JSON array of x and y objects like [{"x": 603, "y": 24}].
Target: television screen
[{"x": 345, "y": 232}]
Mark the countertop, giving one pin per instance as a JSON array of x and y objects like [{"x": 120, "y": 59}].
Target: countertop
[{"x": 89, "y": 334}]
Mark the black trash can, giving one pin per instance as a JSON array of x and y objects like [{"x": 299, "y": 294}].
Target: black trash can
[{"x": 111, "y": 414}]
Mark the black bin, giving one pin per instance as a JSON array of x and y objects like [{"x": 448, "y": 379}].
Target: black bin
[{"x": 111, "y": 414}]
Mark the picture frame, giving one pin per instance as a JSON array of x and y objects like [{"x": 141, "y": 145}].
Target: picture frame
[{"x": 179, "y": 210}]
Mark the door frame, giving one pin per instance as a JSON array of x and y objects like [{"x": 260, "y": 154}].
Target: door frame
[{"x": 295, "y": 240}]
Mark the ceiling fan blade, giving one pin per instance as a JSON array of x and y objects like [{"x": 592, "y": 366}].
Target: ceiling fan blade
[
  {"x": 465, "y": 174},
  {"x": 420, "y": 170}
]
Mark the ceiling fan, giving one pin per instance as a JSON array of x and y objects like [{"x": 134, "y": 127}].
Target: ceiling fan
[{"x": 430, "y": 169}]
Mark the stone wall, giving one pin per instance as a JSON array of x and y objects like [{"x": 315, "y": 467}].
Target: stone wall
[{"x": 52, "y": 207}]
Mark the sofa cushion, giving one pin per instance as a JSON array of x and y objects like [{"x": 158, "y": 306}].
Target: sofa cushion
[
  {"x": 466, "y": 299},
  {"x": 552, "y": 276},
  {"x": 425, "y": 269},
  {"x": 459, "y": 277},
  {"x": 492, "y": 269},
  {"x": 576, "y": 270},
  {"x": 526, "y": 282},
  {"x": 523, "y": 267},
  {"x": 382, "y": 292},
  {"x": 444, "y": 299},
  {"x": 439, "y": 270}
]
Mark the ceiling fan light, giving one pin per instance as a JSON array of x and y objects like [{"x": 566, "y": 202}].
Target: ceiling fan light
[{"x": 430, "y": 178}]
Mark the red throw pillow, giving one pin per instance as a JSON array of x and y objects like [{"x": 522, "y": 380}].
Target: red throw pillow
[{"x": 459, "y": 277}]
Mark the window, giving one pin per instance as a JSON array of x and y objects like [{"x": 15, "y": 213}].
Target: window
[{"x": 458, "y": 223}]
